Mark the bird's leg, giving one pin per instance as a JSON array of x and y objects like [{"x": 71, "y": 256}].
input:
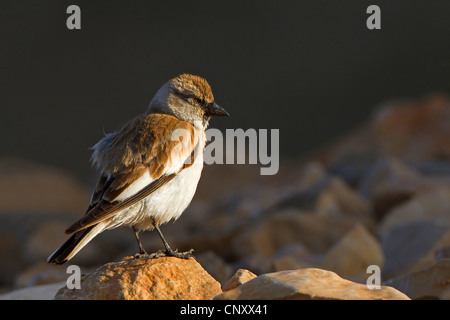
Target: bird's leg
[
  {"x": 142, "y": 252},
  {"x": 169, "y": 251}
]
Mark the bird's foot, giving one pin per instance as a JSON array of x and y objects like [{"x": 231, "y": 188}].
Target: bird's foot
[
  {"x": 165, "y": 253},
  {"x": 142, "y": 255},
  {"x": 168, "y": 253},
  {"x": 181, "y": 255}
]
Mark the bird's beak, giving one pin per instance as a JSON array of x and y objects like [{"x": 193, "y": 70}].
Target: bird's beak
[{"x": 215, "y": 110}]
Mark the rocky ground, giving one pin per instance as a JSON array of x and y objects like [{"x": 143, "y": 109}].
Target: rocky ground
[{"x": 377, "y": 196}]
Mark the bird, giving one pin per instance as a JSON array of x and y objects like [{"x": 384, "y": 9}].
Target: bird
[{"x": 149, "y": 169}]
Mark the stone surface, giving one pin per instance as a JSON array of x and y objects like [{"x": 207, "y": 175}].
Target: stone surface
[
  {"x": 240, "y": 277},
  {"x": 351, "y": 256},
  {"x": 41, "y": 292},
  {"x": 338, "y": 199},
  {"x": 44, "y": 239},
  {"x": 165, "y": 278},
  {"x": 215, "y": 266},
  {"x": 294, "y": 256},
  {"x": 307, "y": 284},
  {"x": 316, "y": 232},
  {"x": 40, "y": 274},
  {"x": 432, "y": 205},
  {"x": 412, "y": 246},
  {"x": 432, "y": 282},
  {"x": 414, "y": 130},
  {"x": 257, "y": 263},
  {"x": 388, "y": 183},
  {"x": 443, "y": 253}
]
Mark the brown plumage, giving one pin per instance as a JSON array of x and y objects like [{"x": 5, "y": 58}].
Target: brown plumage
[
  {"x": 195, "y": 86},
  {"x": 143, "y": 145},
  {"x": 146, "y": 140}
]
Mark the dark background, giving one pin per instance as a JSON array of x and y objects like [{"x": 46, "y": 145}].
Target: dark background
[{"x": 309, "y": 68}]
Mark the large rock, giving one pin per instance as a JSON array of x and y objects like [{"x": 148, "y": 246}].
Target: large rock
[
  {"x": 432, "y": 205},
  {"x": 44, "y": 239},
  {"x": 338, "y": 199},
  {"x": 414, "y": 130},
  {"x": 215, "y": 265},
  {"x": 285, "y": 227},
  {"x": 294, "y": 256},
  {"x": 388, "y": 183},
  {"x": 410, "y": 130},
  {"x": 41, "y": 292},
  {"x": 240, "y": 277},
  {"x": 165, "y": 278},
  {"x": 413, "y": 232},
  {"x": 432, "y": 282},
  {"x": 307, "y": 284},
  {"x": 40, "y": 274},
  {"x": 351, "y": 256},
  {"x": 412, "y": 246}
]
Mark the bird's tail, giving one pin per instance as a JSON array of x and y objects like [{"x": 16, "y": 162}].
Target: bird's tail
[{"x": 75, "y": 243}]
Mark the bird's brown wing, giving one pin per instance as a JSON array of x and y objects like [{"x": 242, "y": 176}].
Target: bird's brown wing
[
  {"x": 140, "y": 159},
  {"x": 104, "y": 209}
]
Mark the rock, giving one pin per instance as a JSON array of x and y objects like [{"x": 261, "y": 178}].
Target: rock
[
  {"x": 414, "y": 130},
  {"x": 433, "y": 168},
  {"x": 432, "y": 282},
  {"x": 443, "y": 253},
  {"x": 256, "y": 262},
  {"x": 432, "y": 205},
  {"x": 328, "y": 196},
  {"x": 294, "y": 256},
  {"x": 207, "y": 237},
  {"x": 30, "y": 196},
  {"x": 351, "y": 256},
  {"x": 240, "y": 277},
  {"x": 307, "y": 284},
  {"x": 44, "y": 240},
  {"x": 388, "y": 183},
  {"x": 30, "y": 237},
  {"x": 357, "y": 146},
  {"x": 40, "y": 274},
  {"x": 215, "y": 265},
  {"x": 42, "y": 292},
  {"x": 279, "y": 191},
  {"x": 166, "y": 278},
  {"x": 409, "y": 130},
  {"x": 303, "y": 194},
  {"x": 412, "y": 246},
  {"x": 266, "y": 237},
  {"x": 11, "y": 261},
  {"x": 352, "y": 167},
  {"x": 338, "y": 199}
]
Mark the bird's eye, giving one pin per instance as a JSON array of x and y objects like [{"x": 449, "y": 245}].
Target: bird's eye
[{"x": 197, "y": 101}]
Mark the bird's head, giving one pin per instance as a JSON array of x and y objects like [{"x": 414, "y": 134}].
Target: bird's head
[{"x": 187, "y": 97}]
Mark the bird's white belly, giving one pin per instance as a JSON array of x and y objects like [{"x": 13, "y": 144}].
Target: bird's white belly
[{"x": 166, "y": 203}]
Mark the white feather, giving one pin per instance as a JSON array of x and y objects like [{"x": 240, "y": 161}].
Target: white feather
[
  {"x": 135, "y": 187},
  {"x": 167, "y": 202}
]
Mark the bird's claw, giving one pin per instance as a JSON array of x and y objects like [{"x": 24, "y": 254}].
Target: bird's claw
[{"x": 165, "y": 253}]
